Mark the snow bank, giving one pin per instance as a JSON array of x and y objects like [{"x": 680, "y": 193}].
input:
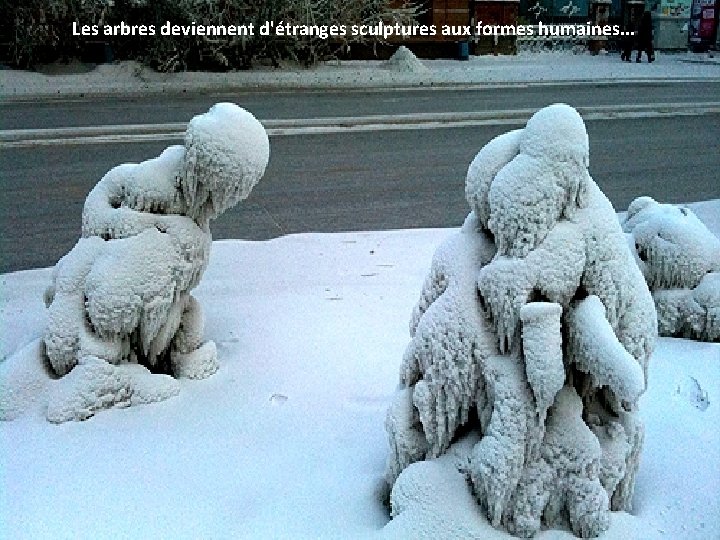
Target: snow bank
[
  {"x": 680, "y": 259},
  {"x": 542, "y": 256},
  {"x": 531, "y": 68},
  {"x": 122, "y": 294}
]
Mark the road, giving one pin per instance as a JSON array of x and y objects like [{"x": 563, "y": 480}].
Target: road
[
  {"x": 350, "y": 179},
  {"x": 156, "y": 109}
]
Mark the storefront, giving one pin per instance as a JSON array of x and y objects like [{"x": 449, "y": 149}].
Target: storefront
[
  {"x": 703, "y": 28},
  {"x": 495, "y": 12},
  {"x": 670, "y": 21}
]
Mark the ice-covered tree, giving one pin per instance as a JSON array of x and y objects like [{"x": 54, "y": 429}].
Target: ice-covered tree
[
  {"x": 120, "y": 301},
  {"x": 533, "y": 333},
  {"x": 680, "y": 259}
]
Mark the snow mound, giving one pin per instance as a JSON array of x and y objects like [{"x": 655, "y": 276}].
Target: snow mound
[
  {"x": 94, "y": 385},
  {"x": 680, "y": 259},
  {"x": 125, "y": 69},
  {"x": 403, "y": 60},
  {"x": 433, "y": 499},
  {"x": 532, "y": 332},
  {"x": 122, "y": 294}
]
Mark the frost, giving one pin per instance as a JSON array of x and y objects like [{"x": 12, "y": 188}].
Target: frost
[
  {"x": 440, "y": 366},
  {"x": 482, "y": 170},
  {"x": 197, "y": 364},
  {"x": 549, "y": 175},
  {"x": 532, "y": 333},
  {"x": 680, "y": 259},
  {"x": 122, "y": 294},
  {"x": 595, "y": 349}
]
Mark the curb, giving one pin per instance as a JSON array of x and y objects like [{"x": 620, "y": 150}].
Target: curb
[{"x": 154, "y": 89}]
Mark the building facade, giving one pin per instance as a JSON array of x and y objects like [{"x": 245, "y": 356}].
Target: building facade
[{"x": 671, "y": 18}]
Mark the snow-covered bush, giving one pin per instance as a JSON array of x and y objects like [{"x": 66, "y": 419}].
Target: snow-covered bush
[
  {"x": 532, "y": 333},
  {"x": 680, "y": 259},
  {"x": 122, "y": 294},
  {"x": 39, "y": 31}
]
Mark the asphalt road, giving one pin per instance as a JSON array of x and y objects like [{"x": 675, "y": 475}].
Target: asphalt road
[
  {"x": 20, "y": 114},
  {"x": 349, "y": 180}
]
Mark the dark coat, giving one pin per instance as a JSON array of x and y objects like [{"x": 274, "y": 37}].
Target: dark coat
[{"x": 645, "y": 31}]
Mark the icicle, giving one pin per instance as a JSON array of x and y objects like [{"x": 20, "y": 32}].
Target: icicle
[{"x": 542, "y": 350}]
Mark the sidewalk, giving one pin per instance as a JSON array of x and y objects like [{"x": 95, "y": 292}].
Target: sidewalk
[{"x": 130, "y": 78}]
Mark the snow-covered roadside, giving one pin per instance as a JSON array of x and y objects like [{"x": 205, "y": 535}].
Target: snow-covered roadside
[
  {"x": 287, "y": 439},
  {"x": 131, "y": 78}
]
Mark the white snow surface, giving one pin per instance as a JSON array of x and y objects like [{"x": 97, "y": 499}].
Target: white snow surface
[
  {"x": 133, "y": 78},
  {"x": 287, "y": 439}
]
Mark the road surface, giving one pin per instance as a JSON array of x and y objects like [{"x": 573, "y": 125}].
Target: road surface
[{"x": 400, "y": 174}]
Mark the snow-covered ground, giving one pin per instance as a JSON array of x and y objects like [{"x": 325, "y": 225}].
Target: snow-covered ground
[
  {"x": 287, "y": 439},
  {"x": 131, "y": 78}
]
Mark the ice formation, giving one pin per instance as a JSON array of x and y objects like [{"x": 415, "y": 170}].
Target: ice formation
[
  {"x": 122, "y": 294},
  {"x": 680, "y": 259},
  {"x": 532, "y": 334}
]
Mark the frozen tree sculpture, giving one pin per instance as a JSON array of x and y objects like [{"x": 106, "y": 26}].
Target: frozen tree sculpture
[
  {"x": 680, "y": 259},
  {"x": 119, "y": 305},
  {"x": 533, "y": 334}
]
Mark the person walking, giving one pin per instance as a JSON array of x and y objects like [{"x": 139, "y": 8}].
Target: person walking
[
  {"x": 645, "y": 38},
  {"x": 627, "y": 44},
  {"x": 630, "y": 36}
]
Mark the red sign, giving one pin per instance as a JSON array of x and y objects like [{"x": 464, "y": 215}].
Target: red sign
[{"x": 703, "y": 23}]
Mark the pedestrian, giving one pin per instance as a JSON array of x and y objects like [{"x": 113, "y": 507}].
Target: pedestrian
[
  {"x": 628, "y": 40},
  {"x": 645, "y": 38}
]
